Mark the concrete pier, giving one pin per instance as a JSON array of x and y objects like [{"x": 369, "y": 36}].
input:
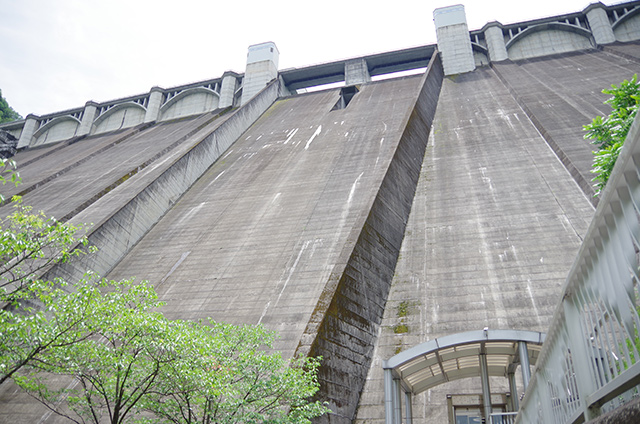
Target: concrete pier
[
  {"x": 262, "y": 67},
  {"x": 453, "y": 39}
]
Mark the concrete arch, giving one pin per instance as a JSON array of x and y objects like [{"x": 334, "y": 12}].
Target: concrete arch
[
  {"x": 626, "y": 28},
  {"x": 190, "y": 102},
  {"x": 123, "y": 115},
  {"x": 60, "y": 128},
  {"x": 546, "y": 27},
  {"x": 548, "y": 38},
  {"x": 630, "y": 14}
]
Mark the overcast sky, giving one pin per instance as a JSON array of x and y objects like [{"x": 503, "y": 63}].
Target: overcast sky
[{"x": 58, "y": 54}]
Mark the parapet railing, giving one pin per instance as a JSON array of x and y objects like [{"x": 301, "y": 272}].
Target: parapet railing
[{"x": 590, "y": 361}]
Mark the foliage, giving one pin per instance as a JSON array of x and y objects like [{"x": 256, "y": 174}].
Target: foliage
[
  {"x": 8, "y": 173},
  {"x": 134, "y": 364},
  {"x": 34, "y": 316},
  {"x": 46, "y": 316},
  {"x": 609, "y": 133},
  {"x": 224, "y": 375},
  {"x": 7, "y": 114},
  {"x": 31, "y": 242},
  {"x": 116, "y": 362}
]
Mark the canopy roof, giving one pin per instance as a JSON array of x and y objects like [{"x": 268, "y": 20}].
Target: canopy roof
[{"x": 457, "y": 356}]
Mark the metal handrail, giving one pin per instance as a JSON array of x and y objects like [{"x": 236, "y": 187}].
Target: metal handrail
[{"x": 590, "y": 360}]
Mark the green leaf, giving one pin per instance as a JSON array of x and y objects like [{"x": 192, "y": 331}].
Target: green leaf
[{"x": 609, "y": 133}]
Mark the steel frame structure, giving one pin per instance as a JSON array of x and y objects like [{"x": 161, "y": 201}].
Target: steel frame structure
[{"x": 482, "y": 353}]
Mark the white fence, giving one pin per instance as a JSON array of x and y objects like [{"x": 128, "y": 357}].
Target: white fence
[{"x": 590, "y": 361}]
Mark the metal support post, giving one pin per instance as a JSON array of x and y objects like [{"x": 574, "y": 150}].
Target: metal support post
[
  {"x": 513, "y": 390},
  {"x": 389, "y": 397},
  {"x": 397, "y": 402},
  {"x": 408, "y": 408},
  {"x": 524, "y": 364},
  {"x": 486, "y": 389}
]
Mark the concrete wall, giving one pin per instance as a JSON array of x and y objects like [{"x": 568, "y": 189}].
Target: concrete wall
[
  {"x": 262, "y": 67},
  {"x": 494, "y": 227},
  {"x": 344, "y": 326},
  {"x": 561, "y": 94},
  {"x": 98, "y": 118},
  {"x": 482, "y": 167},
  {"x": 119, "y": 231},
  {"x": 356, "y": 72},
  {"x": 453, "y": 40},
  {"x": 625, "y": 414},
  {"x": 596, "y": 25},
  {"x": 480, "y": 58}
]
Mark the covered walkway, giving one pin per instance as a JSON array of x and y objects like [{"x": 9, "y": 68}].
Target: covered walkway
[{"x": 482, "y": 353}]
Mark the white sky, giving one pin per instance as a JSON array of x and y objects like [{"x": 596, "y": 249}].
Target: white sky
[{"x": 58, "y": 54}]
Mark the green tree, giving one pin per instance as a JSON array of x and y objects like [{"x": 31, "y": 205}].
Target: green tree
[
  {"x": 8, "y": 173},
  {"x": 114, "y": 365},
  {"x": 46, "y": 316},
  {"x": 29, "y": 243},
  {"x": 7, "y": 114},
  {"x": 34, "y": 316},
  {"x": 609, "y": 132},
  {"x": 224, "y": 375},
  {"x": 134, "y": 364}
]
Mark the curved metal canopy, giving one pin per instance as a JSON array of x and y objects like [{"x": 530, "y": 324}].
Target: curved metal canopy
[{"x": 457, "y": 356}]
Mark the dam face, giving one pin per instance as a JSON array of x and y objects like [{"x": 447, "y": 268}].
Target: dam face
[{"x": 356, "y": 221}]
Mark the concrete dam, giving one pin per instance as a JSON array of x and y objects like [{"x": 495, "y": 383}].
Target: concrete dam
[{"x": 357, "y": 221}]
